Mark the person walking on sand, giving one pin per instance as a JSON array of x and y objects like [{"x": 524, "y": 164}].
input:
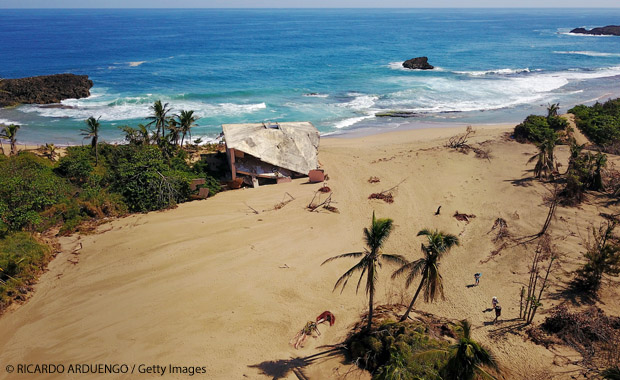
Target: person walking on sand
[
  {"x": 494, "y": 301},
  {"x": 477, "y": 278},
  {"x": 498, "y": 312}
]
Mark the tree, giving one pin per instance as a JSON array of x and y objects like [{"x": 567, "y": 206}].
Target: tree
[
  {"x": 545, "y": 159},
  {"x": 51, "y": 151},
  {"x": 371, "y": 257},
  {"x": 10, "y": 133},
  {"x": 92, "y": 132},
  {"x": 602, "y": 258},
  {"x": 186, "y": 121},
  {"x": 467, "y": 357},
  {"x": 552, "y": 110},
  {"x": 428, "y": 267},
  {"x": 160, "y": 118}
]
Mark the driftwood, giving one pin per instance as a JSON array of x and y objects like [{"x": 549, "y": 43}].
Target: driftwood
[
  {"x": 251, "y": 208},
  {"x": 502, "y": 230},
  {"x": 373, "y": 180},
  {"x": 459, "y": 142}
]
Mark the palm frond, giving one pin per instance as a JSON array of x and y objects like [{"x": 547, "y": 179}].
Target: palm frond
[
  {"x": 344, "y": 279},
  {"x": 344, "y": 256}
]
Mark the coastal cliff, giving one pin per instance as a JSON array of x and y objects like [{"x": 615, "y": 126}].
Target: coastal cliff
[
  {"x": 609, "y": 30},
  {"x": 45, "y": 89}
]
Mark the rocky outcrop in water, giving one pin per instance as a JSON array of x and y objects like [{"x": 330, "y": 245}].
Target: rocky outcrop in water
[
  {"x": 45, "y": 89},
  {"x": 609, "y": 30},
  {"x": 419, "y": 63}
]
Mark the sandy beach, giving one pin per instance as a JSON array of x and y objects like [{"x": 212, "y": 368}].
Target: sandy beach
[{"x": 225, "y": 283}]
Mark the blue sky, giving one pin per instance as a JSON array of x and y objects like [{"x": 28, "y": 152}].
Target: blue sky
[{"x": 304, "y": 3}]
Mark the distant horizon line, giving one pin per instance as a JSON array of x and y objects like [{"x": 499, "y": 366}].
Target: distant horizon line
[{"x": 302, "y": 8}]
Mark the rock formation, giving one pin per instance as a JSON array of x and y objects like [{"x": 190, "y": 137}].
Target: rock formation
[
  {"x": 609, "y": 30},
  {"x": 45, "y": 89},
  {"x": 420, "y": 63}
]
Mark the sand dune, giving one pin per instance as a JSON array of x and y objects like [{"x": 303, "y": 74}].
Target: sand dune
[{"x": 214, "y": 284}]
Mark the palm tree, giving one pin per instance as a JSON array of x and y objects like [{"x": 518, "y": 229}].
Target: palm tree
[
  {"x": 428, "y": 267},
  {"x": 545, "y": 159},
  {"x": 10, "y": 133},
  {"x": 175, "y": 132},
  {"x": 186, "y": 121},
  {"x": 468, "y": 356},
  {"x": 374, "y": 237},
  {"x": 50, "y": 151},
  {"x": 552, "y": 110},
  {"x": 92, "y": 132},
  {"x": 160, "y": 118}
]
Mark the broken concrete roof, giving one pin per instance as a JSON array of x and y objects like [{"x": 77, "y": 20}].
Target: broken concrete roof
[{"x": 291, "y": 145}]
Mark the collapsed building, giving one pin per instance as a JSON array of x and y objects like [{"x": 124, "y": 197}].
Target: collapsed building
[{"x": 260, "y": 153}]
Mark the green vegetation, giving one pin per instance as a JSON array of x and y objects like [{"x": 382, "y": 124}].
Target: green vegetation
[
  {"x": 584, "y": 173},
  {"x": 545, "y": 158},
  {"x": 406, "y": 351},
  {"x": 390, "y": 352},
  {"x": 10, "y": 133},
  {"x": 375, "y": 238},
  {"x": 88, "y": 184},
  {"x": 21, "y": 258},
  {"x": 602, "y": 258},
  {"x": 537, "y": 129},
  {"x": 600, "y": 122},
  {"x": 431, "y": 281}
]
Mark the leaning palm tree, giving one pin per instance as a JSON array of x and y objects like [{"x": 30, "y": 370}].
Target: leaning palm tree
[
  {"x": 92, "y": 132},
  {"x": 552, "y": 110},
  {"x": 51, "y": 151},
  {"x": 186, "y": 121},
  {"x": 467, "y": 358},
  {"x": 10, "y": 133},
  {"x": 371, "y": 258},
  {"x": 428, "y": 267},
  {"x": 545, "y": 159},
  {"x": 160, "y": 118}
]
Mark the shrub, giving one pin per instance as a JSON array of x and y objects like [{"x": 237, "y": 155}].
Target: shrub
[
  {"x": 536, "y": 129},
  {"x": 21, "y": 258},
  {"x": 77, "y": 165},
  {"x": 599, "y": 122},
  {"x": 28, "y": 186}
]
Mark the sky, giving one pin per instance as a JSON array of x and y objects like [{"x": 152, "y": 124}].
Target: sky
[{"x": 308, "y": 4}]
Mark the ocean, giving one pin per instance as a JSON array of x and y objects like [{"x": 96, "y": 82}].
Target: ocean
[{"x": 336, "y": 68}]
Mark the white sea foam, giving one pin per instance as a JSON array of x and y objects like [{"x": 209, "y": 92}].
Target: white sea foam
[
  {"x": 493, "y": 72},
  {"x": 360, "y": 102},
  {"x": 135, "y": 108},
  {"x": 351, "y": 121},
  {"x": 9, "y": 122},
  {"x": 589, "y": 53},
  {"x": 136, "y": 63},
  {"x": 585, "y": 35}
]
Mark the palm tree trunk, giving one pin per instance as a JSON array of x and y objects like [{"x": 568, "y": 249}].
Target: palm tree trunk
[
  {"x": 406, "y": 315},
  {"x": 370, "y": 308}
]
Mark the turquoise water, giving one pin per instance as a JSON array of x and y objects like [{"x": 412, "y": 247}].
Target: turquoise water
[{"x": 335, "y": 68}]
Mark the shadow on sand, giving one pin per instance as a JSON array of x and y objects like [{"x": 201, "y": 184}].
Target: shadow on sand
[{"x": 279, "y": 369}]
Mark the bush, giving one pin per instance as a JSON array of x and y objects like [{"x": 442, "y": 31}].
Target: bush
[
  {"x": 600, "y": 122},
  {"x": 537, "y": 129},
  {"x": 28, "y": 186},
  {"x": 77, "y": 165},
  {"x": 21, "y": 258}
]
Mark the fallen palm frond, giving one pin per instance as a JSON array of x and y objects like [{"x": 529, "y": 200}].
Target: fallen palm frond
[
  {"x": 386, "y": 195},
  {"x": 373, "y": 180},
  {"x": 316, "y": 203},
  {"x": 284, "y": 202},
  {"x": 502, "y": 230},
  {"x": 463, "y": 217}
]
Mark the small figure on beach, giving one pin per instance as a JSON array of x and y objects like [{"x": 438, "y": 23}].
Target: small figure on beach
[
  {"x": 498, "y": 312},
  {"x": 494, "y": 302},
  {"x": 477, "y": 278}
]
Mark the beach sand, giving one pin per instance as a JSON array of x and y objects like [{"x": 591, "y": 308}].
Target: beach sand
[{"x": 214, "y": 284}]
